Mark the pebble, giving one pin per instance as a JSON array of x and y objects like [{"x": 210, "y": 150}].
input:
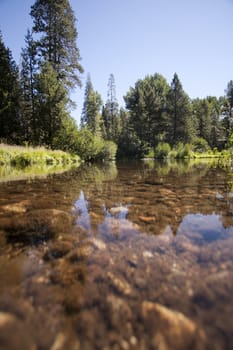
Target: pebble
[
  {"x": 172, "y": 329},
  {"x": 120, "y": 284}
]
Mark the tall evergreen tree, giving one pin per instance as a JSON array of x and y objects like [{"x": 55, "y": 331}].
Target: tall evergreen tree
[
  {"x": 27, "y": 77},
  {"x": 91, "y": 117},
  {"x": 56, "y": 68},
  {"x": 229, "y": 108},
  {"x": 10, "y": 96},
  {"x": 179, "y": 108},
  {"x": 52, "y": 101},
  {"x": 55, "y": 21},
  {"x": 216, "y": 134},
  {"x": 147, "y": 103},
  {"x": 110, "y": 112},
  {"x": 202, "y": 114}
]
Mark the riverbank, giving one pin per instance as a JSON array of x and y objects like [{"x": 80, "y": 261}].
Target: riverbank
[{"x": 20, "y": 156}]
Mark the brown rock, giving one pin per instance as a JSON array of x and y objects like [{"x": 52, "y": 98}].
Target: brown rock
[
  {"x": 65, "y": 341},
  {"x": 171, "y": 329},
  {"x": 44, "y": 223},
  {"x": 14, "y": 334},
  {"x": 16, "y": 208},
  {"x": 58, "y": 249},
  {"x": 147, "y": 219},
  {"x": 118, "y": 310},
  {"x": 120, "y": 284}
]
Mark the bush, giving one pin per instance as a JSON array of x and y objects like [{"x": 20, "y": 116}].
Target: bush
[
  {"x": 93, "y": 148},
  {"x": 183, "y": 151},
  {"x": 200, "y": 145},
  {"x": 162, "y": 150},
  {"x": 108, "y": 151}
]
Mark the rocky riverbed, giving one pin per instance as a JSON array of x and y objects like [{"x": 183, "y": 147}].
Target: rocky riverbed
[{"x": 125, "y": 258}]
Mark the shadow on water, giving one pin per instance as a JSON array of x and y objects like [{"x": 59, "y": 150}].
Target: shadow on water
[{"x": 128, "y": 256}]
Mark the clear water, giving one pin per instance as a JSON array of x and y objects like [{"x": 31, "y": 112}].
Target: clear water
[{"x": 128, "y": 256}]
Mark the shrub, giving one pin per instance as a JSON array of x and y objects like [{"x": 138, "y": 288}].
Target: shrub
[
  {"x": 162, "y": 150},
  {"x": 183, "y": 151},
  {"x": 200, "y": 145},
  {"x": 108, "y": 151}
]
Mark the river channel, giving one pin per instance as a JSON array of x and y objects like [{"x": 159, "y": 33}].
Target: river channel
[{"x": 118, "y": 256}]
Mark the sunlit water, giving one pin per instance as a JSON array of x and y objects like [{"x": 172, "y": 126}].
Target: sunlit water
[{"x": 133, "y": 256}]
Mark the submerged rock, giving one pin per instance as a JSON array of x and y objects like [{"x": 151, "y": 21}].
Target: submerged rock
[
  {"x": 57, "y": 250},
  {"x": 147, "y": 219},
  {"x": 65, "y": 341},
  {"x": 13, "y": 333},
  {"x": 118, "y": 210},
  {"x": 171, "y": 329},
  {"x": 98, "y": 243},
  {"x": 36, "y": 224},
  {"x": 119, "y": 284}
]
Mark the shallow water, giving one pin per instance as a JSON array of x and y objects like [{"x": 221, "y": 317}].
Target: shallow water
[{"x": 133, "y": 256}]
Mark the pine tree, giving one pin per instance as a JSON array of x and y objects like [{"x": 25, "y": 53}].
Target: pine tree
[
  {"x": 147, "y": 103},
  {"x": 229, "y": 108},
  {"x": 110, "y": 112},
  {"x": 91, "y": 117},
  {"x": 57, "y": 67},
  {"x": 52, "y": 101},
  {"x": 55, "y": 21},
  {"x": 179, "y": 109},
  {"x": 27, "y": 78},
  {"x": 202, "y": 112},
  {"x": 10, "y": 97}
]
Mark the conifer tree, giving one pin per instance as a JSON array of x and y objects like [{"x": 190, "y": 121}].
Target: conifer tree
[
  {"x": 52, "y": 99},
  {"x": 229, "y": 108},
  {"x": 55, "y": 21},
  {"x": 91, "y": 117},
  {"x": 57, "y": 60},
  {"x": 110, "y": 112},
  {"x": 179, "y": 109},
  {"x": 28, "y": 73},
  {"x": 147, "y": 103},
  {"x": 10, "y": 97}
]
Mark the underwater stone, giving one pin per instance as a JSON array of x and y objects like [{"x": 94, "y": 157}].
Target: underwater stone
[{"x": 38, "y": 224}]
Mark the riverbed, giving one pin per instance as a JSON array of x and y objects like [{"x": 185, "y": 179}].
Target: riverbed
[{"x": 125, "y": 256}]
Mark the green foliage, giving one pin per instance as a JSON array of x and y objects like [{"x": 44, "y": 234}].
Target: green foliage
[
  {"x": 181, "y": 128},
  {"x": 110, "y": 113},
  {"x": 28, "y": 156},
  {"x": 54, "y": 26},
  {"x": 91, "y": 118},
  {"x": 10, "y": 95},
  {"x": 162, "y": 150},
  {"x": 147, "y": 103},
  {"x": 108, "y": 151},
  {"x": 200, "y": 145},
  {"x": 183, "y": 151},
  {"x": 93, "y": 148}
]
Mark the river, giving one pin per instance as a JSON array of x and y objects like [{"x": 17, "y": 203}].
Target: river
[{"x": 118, "y": 256}]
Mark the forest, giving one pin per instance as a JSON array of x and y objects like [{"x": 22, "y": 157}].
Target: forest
[{"x": 158, "y": 119}]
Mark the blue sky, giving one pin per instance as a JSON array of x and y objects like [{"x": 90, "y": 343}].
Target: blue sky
[{"x": 133, "y": 38}]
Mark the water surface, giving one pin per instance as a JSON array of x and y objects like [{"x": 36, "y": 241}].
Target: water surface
[{"x": 133, "y": 256}]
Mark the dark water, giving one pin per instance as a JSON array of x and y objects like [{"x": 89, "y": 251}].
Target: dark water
[{"x": 133, "y": 256}]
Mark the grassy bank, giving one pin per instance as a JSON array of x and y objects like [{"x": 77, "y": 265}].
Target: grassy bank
[
  {"x": 187, "y": 151},
  {"x": 20, "y": 156}
]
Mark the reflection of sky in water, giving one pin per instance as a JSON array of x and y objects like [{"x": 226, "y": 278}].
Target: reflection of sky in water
[
  {"x": 81, "y": 205},
  {"x": 199, "y": 228},
  {"x": 115, "y": 223},
  {"x": 205, "y": 228}
]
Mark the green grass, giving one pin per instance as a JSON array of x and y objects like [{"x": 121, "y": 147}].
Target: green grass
[{"x": 20, "y": 156}]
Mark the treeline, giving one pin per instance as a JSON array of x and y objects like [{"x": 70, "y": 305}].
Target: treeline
[
  {"x": 157, "y": 113},
  {"x": 35, "y": 100}
]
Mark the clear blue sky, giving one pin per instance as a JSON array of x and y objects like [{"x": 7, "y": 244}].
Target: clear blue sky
[{"x": 133, "y": 38}]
